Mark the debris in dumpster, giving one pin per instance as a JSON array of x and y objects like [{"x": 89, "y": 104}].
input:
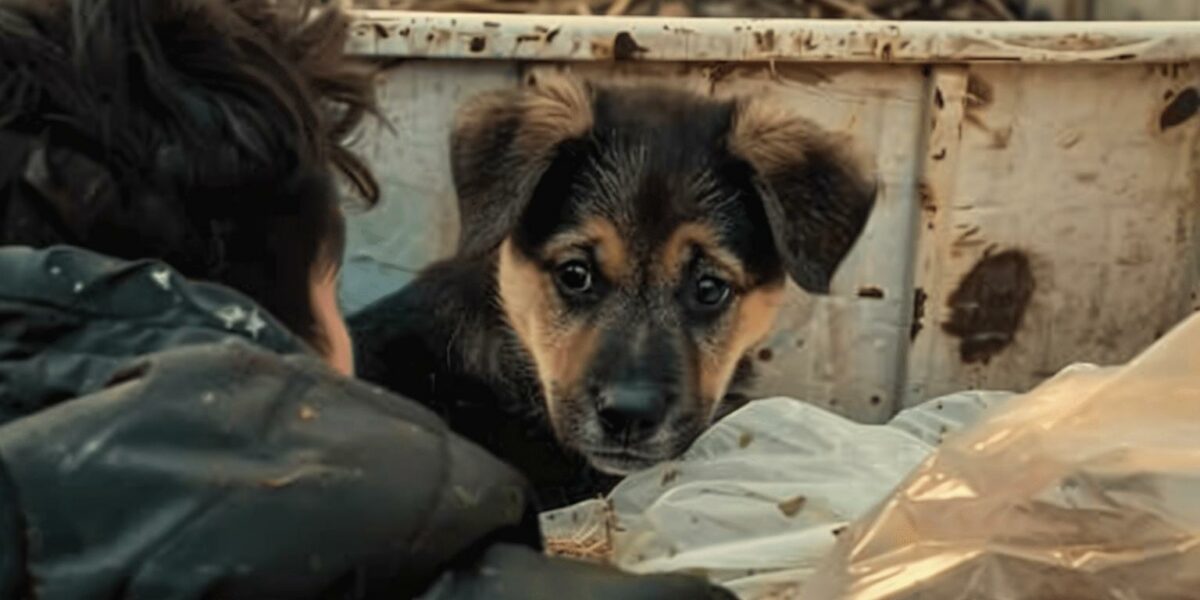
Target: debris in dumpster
[
  {"x": 1086, "y": 487},
  {"x": 951, "y": 10},
  {"x": 757, "y": 517},
  {"x": 591, "y": 542}
]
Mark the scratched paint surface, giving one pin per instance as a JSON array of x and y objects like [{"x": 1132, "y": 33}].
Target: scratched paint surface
[
  {"x": 1032, "y": 213},
  {"x": 1076, "y": 170}
]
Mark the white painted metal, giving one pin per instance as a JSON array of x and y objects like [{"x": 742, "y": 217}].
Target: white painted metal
[{"x": 1074, "y": 145}]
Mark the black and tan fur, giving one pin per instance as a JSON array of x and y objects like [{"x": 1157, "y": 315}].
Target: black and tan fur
[{"x": 684, "y": 215}]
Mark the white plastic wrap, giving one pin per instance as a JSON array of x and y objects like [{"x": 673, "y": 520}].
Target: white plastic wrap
[
  {"x": 756, "y": 503},
  {"x": 1087, "y": 487}
]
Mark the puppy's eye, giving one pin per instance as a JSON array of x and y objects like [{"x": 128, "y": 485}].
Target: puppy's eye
[
  {"x": 711, "y": 293},
  {"x": 574, "y": 277}
]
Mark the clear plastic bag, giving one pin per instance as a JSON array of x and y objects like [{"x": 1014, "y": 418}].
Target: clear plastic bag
[
  {"x": 757, "y": 501},
  {"x": 1087, "y": 487}
]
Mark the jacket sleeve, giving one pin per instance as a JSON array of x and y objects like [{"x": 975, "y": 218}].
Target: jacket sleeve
[
  {"x": 227, "y": 471},
  {"x": 510, "y": 572}
]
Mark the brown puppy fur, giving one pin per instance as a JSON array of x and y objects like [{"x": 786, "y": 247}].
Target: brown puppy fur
[{"x": 628, "y": 246}]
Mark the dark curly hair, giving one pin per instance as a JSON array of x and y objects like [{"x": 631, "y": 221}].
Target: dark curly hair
[{"x": 206, "y": 133}]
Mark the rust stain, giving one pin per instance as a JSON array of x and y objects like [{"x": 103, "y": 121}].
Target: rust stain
[
  {"x": 989, "y": 305},
  {"x": 602, "y": 49},
  {"x": 885, "y": 52},
  {"x": 792, "y": 507},
  {"x": 1183, "y": 107},
  {"x": 928, "y": 201},
  {"x": 765, "y": 40},
  {"x": 919, "y": 297},
  {"x": 870, "y": 292},
  {"x": 980, "y": 93},
  {"x": 624, "y": 47},
  {"x": 803, "y": 42}
]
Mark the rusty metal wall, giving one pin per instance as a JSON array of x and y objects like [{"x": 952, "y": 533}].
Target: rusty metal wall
[{"x": 1040, "y": 188}]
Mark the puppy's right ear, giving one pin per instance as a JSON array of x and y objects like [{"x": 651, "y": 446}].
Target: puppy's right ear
[{"x": 503, "y": 143}]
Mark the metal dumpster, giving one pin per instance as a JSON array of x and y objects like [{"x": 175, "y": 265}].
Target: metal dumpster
[{"x": 1040, "y": 197}]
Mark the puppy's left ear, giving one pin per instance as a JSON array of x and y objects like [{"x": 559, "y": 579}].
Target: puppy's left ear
[{"x": 815, "y": 197}]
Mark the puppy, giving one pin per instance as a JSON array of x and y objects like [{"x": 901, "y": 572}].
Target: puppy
[{"x": 621, "y": 249}]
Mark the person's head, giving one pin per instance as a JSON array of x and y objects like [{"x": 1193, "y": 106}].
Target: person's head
[{"x": 206, "y": 133}]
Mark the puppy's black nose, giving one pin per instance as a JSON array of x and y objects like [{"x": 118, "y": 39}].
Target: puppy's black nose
[{"x": 635, "y": 410}]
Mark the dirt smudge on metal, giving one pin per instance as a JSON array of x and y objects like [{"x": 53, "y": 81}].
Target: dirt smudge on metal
[
  {"x": 1183, "y": 107},
  {"x": 624, "y": 47},
  {"x": 918, "y": 319},
  {"x": 765, "y": 40},
  {"x": 870, "y": 292},
  {"x": 925, "y": 194},
  {"x": 989, "y": 305},
  {"x": 979, "y": 92},
  {"x": 478, "y": 43}
]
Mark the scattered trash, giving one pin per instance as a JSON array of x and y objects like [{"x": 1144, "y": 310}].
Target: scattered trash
[
  {"x": 753, "y": 502},
  {"x": 811, "y": 9},
  {"x": 1086, "y": 487}
]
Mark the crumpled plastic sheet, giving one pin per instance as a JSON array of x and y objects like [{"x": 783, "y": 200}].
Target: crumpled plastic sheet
[
  {"x": 759, "y": 499},
  {"x": 1087, "y": 487}
]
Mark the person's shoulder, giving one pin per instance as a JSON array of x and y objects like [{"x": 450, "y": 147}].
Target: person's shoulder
[
  {"x": 146, "y": 292},
  {"x": 289, "y": 459}
]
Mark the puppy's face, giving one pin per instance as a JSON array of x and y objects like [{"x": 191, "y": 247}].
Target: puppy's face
[{"x": 645, "y": 257}]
